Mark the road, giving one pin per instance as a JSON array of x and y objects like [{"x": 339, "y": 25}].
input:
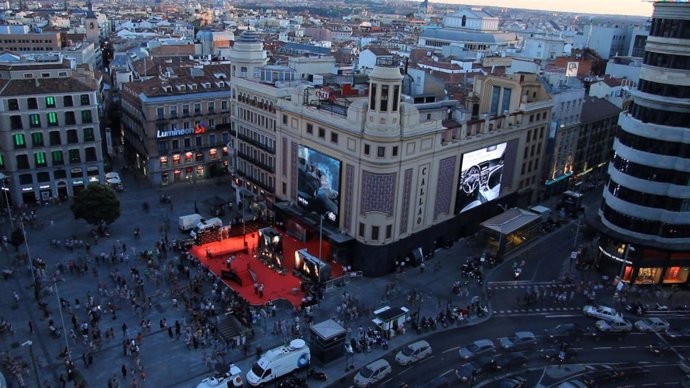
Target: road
[{"x": 608, "y": 350}]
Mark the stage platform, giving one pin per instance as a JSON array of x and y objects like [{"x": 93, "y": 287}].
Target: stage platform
[{"x": 276, "y": 286}]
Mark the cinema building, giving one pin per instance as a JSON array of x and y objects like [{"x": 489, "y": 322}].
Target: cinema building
[{"x": 381, "y": 176}]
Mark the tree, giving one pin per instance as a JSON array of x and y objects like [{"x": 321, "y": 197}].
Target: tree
[{"x": 96, "y": 203}]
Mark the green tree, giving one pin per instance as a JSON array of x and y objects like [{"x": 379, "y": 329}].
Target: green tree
[{"x": 96, "y": 203}]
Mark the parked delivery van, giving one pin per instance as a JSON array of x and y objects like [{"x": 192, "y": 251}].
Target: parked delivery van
[
  {"x": 206, "y": 224},
  {"x": 189, "y": 221},
  {"x": 279, "y": 362}
]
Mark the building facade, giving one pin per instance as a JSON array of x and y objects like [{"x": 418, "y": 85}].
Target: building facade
[
  {"x": 49, "y": 128},
  {"x": 176, "y": 127},
  {"x": 645, "y": 215}
]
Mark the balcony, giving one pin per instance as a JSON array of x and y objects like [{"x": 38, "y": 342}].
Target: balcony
[
  {"x": 256, "y": 162},
  {"x": 255, "y": 181},
  {"x": 255, "y": 143}
]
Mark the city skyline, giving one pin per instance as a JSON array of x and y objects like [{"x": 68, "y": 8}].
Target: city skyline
[{"x": 613, "y": 7}]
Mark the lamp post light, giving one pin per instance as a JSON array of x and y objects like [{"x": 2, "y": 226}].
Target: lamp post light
[
  {"x": 62, "y": 318},
  {"x": 28, "y": 253},
  {"x": 33, "y": 361}
]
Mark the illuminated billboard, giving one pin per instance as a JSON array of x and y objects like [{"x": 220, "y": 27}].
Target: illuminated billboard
[
  {"x": 481, "y": 172},
  {"x": 318, "y": 183}
]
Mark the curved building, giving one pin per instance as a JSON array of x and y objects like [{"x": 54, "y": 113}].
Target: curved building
[{"x": 645, "y": 212}]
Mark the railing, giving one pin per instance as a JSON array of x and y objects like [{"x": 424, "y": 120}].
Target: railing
[{"x": 341, "y": 281}]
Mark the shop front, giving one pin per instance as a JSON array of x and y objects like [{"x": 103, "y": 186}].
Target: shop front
[{"x": 642, "y": 265}]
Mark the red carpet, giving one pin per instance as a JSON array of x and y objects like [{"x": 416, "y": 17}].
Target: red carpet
[{"x": 276, "y": 286}]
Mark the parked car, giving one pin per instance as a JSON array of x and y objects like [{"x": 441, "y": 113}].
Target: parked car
[
  {"x": 413, "y": 353},
  {"x": 601, "y": 312},
  {"x": 469, "y": 372},
  {"x": 652, "y": 325},
  {"x": 569, "y": 332},
  {"x": 477, "y": 348},
  {"x": 558, "y": 353},
  {"x": 574, "y": 383},
  {"x": 372, "y": 373},
  {"x": 508, "y": 360},
  {"x": 513, "y": 382},
  {"x": 616, "y": 326},
  {"x": 520, "y": 341},
  {"x": 678, "y": 333},
  {"x": 602, "y": 377},
  {"x": 631, "y": 371}
]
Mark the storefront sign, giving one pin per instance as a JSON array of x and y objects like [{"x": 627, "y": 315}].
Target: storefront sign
[
  {"x": 76, "y": 170},
  {"x": 197, "y": 130},
  {"x": 78, "y": 182},
  {"x": 27, "y": 189},
  {"x": 44, "y": 187},
  {"x": 423, "y": 181}
]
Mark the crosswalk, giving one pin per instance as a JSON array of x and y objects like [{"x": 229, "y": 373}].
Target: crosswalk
[
  {"x": 526, "y": 284},
  {"x": 536, "y": 311}
]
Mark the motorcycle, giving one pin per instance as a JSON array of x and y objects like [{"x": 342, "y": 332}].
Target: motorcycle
[
  {"x": 661, "y": 307},
  {"x": 317, "y": 375},
  {"x": 636, "y": 308},
  {"x": 517, "y": 272}
]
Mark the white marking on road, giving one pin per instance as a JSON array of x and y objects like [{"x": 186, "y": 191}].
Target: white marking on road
[
  {"x": 385, "y": 381},
  {"x": 628, "y": 347},
  {"x": 426, "y": 359},
  {"x": 447, "y": 372},
  {"x": 562, "y": 316},
  {"x": 450, "y": 350},
  {"x": 406, "y": 369},
  {"x": 602, "y": 348}
]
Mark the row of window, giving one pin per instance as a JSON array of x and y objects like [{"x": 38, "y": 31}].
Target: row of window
[
  {"x": 665, "y": 90},
  {"x": 661, "y": 175},
  {"x": 189, "y": 157},
  {"x": 375, "y": 231},
  {"x": 383, "y": 100},
  {"x": 258, "y": 119},
  {"x": 659, "y": 116},
  {"x": 321, "y": 132},
  {"x": 32, "y": 103},
  {"x": 670, "y": 28},
  {"x": 40, "y": 158},
  {"x": 669, "y": 61},
  {"x": 52, "y": 120},
  {"x": 172, "y": 110},
  {"x": 164, "y": 146},
  {"x": 648, "y": 200},
  {"x": 54, "y": 138},
  {"x": 44, "y": 176},
  {"x": 659, "y": 147},
  {"x": 648, "y": 227}
]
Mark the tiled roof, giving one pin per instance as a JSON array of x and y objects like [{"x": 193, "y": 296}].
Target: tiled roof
[{"x": 19, "y": 87}]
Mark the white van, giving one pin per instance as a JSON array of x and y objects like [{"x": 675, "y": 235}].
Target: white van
[
  {"x": 279, "y": 362},
  {"x": 205, "y": 224},
  {"x": 189, "y": 221}
]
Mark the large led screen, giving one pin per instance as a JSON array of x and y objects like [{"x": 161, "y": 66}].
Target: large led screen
[
  {"x": 481, "y": 172},
  {"x": 318, "y": 183}
]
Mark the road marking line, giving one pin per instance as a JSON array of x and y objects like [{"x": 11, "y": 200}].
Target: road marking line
[
  {"x": 406, "y": 369},
  {"x": 447, "y": 372},
  {"x": 628, "y": 347},
  {"x": 450, "y": 350},
  {"x": 602, "y": 348},
  {"x": 562, "y": 316}
]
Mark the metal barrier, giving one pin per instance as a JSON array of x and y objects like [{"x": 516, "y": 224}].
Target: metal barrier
[{"x": 341, "y": 281}]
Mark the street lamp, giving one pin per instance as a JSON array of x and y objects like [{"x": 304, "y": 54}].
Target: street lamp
[
  {"x": 28, "y": 253},
  {"x": 628, "y": 248},
  {"x": 3, "y": 178},
  {"x": 62, "y": 318},
  {"x": 33, "y": 361}
]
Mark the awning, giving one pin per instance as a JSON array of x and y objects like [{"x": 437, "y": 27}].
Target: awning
[{"x": 510, "y": 221}]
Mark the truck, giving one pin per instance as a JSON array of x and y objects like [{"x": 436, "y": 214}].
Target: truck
[
  {"x": 230, "y": 378},
  {"x": 279, "y": 362},
  {"x": 205, "y": 224},
  {"x": 188, "y": 222}
]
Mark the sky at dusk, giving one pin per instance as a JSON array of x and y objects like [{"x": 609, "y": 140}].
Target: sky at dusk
[{"x": 614, "y": 7}]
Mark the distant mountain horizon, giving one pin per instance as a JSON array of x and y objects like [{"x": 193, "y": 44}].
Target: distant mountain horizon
[{"x": 587, "y": 7}]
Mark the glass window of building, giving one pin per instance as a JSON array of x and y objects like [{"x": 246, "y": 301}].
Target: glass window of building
[
  {"x": 22, "y": 161},
  {"x": 50, "y": 102},
  {"x": 74, "y": 156},
  {"x": 37, "y": 139},
  {"x": 72, "y": 136},
  {"x": 16, "y": 122},
  {"x": 187, "y": 143},
  {"x": 197, "y": 109},
  {"x": 85, "y": 100},
  {"x": 19, "y": 141},
  {"x": 173, "y": 111},
  {"x": 86, "y": 116},
  {"x": 90, "y": 154},
  {"x": 366, "y": 149},
  {"x": 13, "y": 104},
  {"x": 54, "y": 137},
  {"x": 67, "y": 101},
  {"x": 70, "y": 118},
  {"x": 375, "y": 233},
  {"x": 32, "y": 103},
  {"x": 40, "y": 159},
  {"x": 163, "y": 161},
  {"x": 57, "y": 158},
  {"x": 381, "y": 152},
  {"x": 185, "y": 110},
  {"x": 211, "y": 107},
  {"x": 34, "y": 120},
  {"x": 52, "y": 119},
  {"x": 160, "y": 113},
  {"x": 334, "y": 137},
  {"x": 89, "y": 134}
]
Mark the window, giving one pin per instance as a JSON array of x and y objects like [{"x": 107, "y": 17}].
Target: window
[
  {"x": 67, "y": 101},
  {"x": 72, "y": 136},
  {"x": 375, "y": 233},
  {"x": 187, "y": 143},
  {"x": 86, "y": 116},
  {"x": 384, "y": 98},
  {"x": 395, "y": 151},
  {"x": 160, "y": 113},
  {"x": 88, "y": 134},
  {"x": 37, "y": 139},
  {"x": 173, "y": 111},
  {"x": 25, "y": 179},
  {"x": 16, "y": 122},
  {"x": 197, "y": 109},
  {"x": 85, "y": 100},
  {"x": 198, "y": 141},
  {"x": 57, "y": 158},
  {"x": 22, "y": 161},
  {"x": 334, "y": 137},
  {"x": 34, "y": 120},
  {"x": 322, "y": 133},
  {"x": 52, "y": 119},
  {"x": 285, "y": 119},
  {"x": 40, "y": 159},
  {"x": 54, "y": 138},
  {"x": 70, "y": 119},
  {"x": 19, "y": 141},
  {"x": 50, "y": 102},
  {"x": 381, "y": 152},
  {"x": 223, "y": 105},
  {"x": 175, "y": 144},
  {"x": 389, "y": 232},
  {"x": 74, "y": 156},
  {"x": 396, "y": 97},
  {"x": 310, "y": 129},
  {"x": 361, "y": 230},
  {"x": 495, "y": 94},
  {"x": 372, "y": 99},
  {"x": 90, "y": 154},
  {"x": 211, "y": 107},
  {"x": 366, "y": 149},
  {"x": 505, "y": 104},
  {"x": 32, "y": 103},
  {"x": 185, "y": 110},
  {"x": 13, "y": 104},
  {"x": 2, "y": 161}
]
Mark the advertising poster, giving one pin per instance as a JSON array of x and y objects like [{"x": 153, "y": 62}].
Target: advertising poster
[
  {"x": 318, "y": 183},
  {"x": 481, "y": 172}
]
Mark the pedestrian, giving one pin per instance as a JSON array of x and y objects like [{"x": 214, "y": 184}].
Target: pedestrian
[
  {"x": 62, "y": 380},
  {"x": 170, "y": 332},
  {"x": 261, "y": 290},
  {"x": 124, "y": 328},
  {"x": 83, "y": 358},
  {"x": 31, "y": 327},
  {"x": 124, "y": 371},
  {"x": 256, "y": 288},
  {"x": 89, "y": 358}
]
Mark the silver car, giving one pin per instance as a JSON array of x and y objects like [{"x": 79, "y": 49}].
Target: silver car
[
  {"x": 520, "y": 341},
  {"x": 477, "y": 348},
  {"x": 652, "y": 325}
]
